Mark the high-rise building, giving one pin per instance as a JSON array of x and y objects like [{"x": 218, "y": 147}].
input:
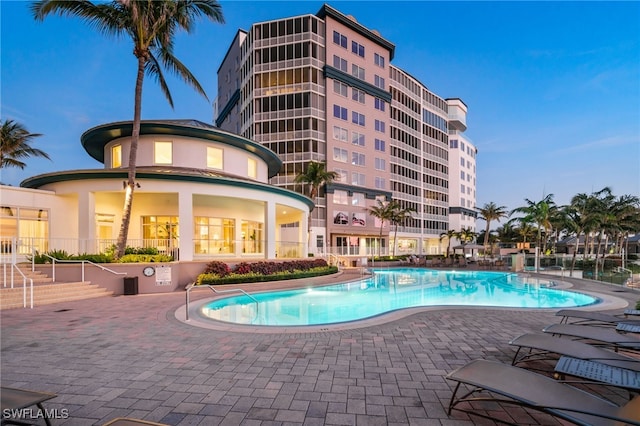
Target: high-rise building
[{"x": 322, "y": 88}]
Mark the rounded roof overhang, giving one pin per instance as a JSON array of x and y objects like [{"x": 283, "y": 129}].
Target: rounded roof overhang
[{"x": 175, "y": 174}]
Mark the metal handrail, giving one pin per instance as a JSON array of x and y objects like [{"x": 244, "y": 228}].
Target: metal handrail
[
  {"x": 24, "y": 285},
  {"x": 54, "y": 260},
  {"x": 192, "y": 286}
]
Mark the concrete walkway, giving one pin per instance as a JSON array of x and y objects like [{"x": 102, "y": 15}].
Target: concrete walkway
[{"x": 128, "y": 356}]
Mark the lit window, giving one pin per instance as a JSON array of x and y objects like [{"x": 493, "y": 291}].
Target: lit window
[
  {"x": 252, "y": 168},
  {"x": 214, "y": 158},
  {"x": 116, "y": 156},
  {"x": 163, "y": 153}
]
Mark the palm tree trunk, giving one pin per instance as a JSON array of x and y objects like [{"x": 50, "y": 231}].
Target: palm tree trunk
[{"x": 133, "y": 154}]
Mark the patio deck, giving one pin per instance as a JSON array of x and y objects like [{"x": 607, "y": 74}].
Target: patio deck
[{"x": 128, "y": 356}]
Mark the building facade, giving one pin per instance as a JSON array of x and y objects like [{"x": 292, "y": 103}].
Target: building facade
[
  {"x": 322, "y": 88},
  {"x": 201, "y": 193}
]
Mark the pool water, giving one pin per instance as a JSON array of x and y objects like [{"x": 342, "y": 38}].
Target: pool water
[{"x": 389, "y": 290}]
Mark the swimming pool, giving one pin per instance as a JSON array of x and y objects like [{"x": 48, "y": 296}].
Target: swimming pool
[{"x": 389, "y": 290}]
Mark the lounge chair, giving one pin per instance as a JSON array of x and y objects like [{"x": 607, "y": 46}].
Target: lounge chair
[
  {"x": 575, "y": 316},
  {"x": 525, "y": 388},
  {"x": 598, "y": 373},
  {"x": 601, "y": 335},
  {"x": 544, "y": 346},
  {"x": 127, "y": 421},
  {"x": 13, "y": 400}
]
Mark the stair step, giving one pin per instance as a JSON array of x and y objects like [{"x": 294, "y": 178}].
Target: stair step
[{"x": 44, "y": 294}]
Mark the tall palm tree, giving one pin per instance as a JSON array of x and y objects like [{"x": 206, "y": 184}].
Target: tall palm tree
[
  {"x": 152, "y": 26},
  {"x": 383, "y": 212},
  {"x": 316, "y": 175},
  {"x": 15, "y": 145},
  {"x": 398, "y": 215},
  {"x": 490, "y": 212}
]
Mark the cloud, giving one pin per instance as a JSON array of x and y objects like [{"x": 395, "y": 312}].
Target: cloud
[{"x": 607, "y": 142}]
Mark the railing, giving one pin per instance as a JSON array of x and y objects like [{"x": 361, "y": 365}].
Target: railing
[
  {"x": 192, "y": 286},
  {"x": 24, "y": 283},
  {"x": 54, "y": 260}
]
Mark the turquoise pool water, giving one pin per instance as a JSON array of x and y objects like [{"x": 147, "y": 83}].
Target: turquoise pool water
[{"x": 389, "y": 290}]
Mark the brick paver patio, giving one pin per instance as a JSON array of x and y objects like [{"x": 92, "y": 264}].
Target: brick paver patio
[{"x": 128, "y": 356}]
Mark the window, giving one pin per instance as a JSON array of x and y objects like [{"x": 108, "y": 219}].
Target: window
[
  {"x": 116, "y": 156},
  {"x": 453, "y": 143},
  {"x": 340, "y": 134},
  {"x": 357, "y": 138},
  {"x": 214, "y": 158},
  {"x": 358, "y": 179},
  {"x": 343, "y": 175},
  {"x": 340, "y": 197},
  {"x": 340, "y": 63},
  {"x": 339, "y": 39},
  {"x": 340, "y": 88},
  {"x": 461, "y": 146},
  {"x": 462, "y": 189},
  {"x": 462, "y": 162},
  {"x": 357, "y": 118},
  {"x": 378, "y": 60},
  {"x": 214, "y": 235},
  {"x": 380, "y": 183},
  {"x": 340, "y": 155},
  {"x": 379, "y": 104},
  {"x": 357, "y": 71},
  {"x": 164, "y": 228},
  {"x": 380, "y": 164},
  {"x": 378, "y": 81},
  {"x": 252, "y": 168},
  {"x": 379, "y": 126},
  {"x": 462, "y": 175},
  {"x": 357, "y": 199},
  {"x": 339, "y": 112},
  {"x": 19, "y": 223},
  {"x": 163, "y": 153},
  {"x": 357, "y": 48},
  {"x": 357, "y": 95},
  {"x": 357, "y": 159},
  {"x": 252, "y": 238},
  {"x": 379, "y": 145}
]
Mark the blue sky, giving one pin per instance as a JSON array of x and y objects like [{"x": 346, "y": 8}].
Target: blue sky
[{"x": 553, "y": 88}]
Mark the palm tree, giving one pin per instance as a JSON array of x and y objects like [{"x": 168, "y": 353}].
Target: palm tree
[
  {"x": 15, "y": 145},
  {"x": 384, "y": 212},
  {"x": 449, "y": 235},
  {"x": 315, "y": 176},
  {"x": 152, "y": 26},
  {"x": 538, "y": 213},
  {"x": 488, "y": 213},
  {"x": 398, "y": 215}
]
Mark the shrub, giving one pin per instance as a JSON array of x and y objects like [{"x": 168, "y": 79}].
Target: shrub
[
  {"x": 145, "y": 258},
  {"x": 95, "y": 258},
  {"x": 218, "y": 268}
]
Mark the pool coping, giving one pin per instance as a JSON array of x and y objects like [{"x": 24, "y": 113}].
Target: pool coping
[{"x": 606, "y": 302}]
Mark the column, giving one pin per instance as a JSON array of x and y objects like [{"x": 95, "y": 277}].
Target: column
[
  {"x": 185, "y": 220},
  {"x": 86, "y": 222},
  {"x": 270, "y": 229}
]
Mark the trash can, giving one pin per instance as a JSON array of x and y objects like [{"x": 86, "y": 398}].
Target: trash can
[{"x": 130, "y": 286}]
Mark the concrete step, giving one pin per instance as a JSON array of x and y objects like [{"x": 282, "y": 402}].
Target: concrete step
[{"x": 44, "y": 294}]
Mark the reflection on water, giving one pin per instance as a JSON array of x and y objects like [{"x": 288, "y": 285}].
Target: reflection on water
[{"x": 391, "y": 289}]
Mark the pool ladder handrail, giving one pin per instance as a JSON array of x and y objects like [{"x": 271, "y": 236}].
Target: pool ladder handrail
[{"x": 193, "y": 285}]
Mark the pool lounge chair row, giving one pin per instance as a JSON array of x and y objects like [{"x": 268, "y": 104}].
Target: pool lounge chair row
[{"x": 514, "y": 385}]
